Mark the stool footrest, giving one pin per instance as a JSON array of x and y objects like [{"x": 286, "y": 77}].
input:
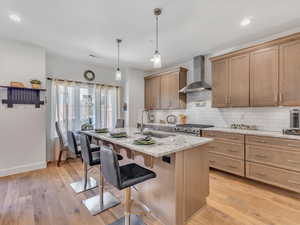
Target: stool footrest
[
  {"x": 95, "y": 207},
  {"x": 134, "y": 220},
  {"x": 78, "y": 186}
]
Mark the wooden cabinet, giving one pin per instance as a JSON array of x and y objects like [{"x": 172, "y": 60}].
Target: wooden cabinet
[
  {"x": 169, "y": 91},
  {"x": 162, "y": 90},
  {"x": 239, "y": 72},
  {"x": 290, "y": 74},
  {"x": 266, "y": 74},
  {"x": 152, "y": 93},
  {"x": 231, "y": 82},
  {"x": 264, "y": 77},
  {"x": 274, "y": 161},
  {"x": 275, "y": 176},
  {"x": 226, "y": 152},
  {"x": 220, "y": 83}
]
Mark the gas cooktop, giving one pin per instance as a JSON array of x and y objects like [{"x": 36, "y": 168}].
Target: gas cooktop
[
  {"x": 194, "y": 129},
  {"x": 194, "y": 125}
]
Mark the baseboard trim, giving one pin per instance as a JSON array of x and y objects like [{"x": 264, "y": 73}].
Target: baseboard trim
[{"x": 22, "y": 169}]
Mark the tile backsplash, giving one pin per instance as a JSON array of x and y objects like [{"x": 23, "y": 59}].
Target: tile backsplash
[{"x": 199, "y": 110}]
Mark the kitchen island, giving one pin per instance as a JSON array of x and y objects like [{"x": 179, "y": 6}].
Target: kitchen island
[{"x": 181, "y": 164}]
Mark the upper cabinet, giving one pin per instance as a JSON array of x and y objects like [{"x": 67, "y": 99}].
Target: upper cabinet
[
  {"x": 239, "y": 81},
  {"x": 231, "y": 82},
  {"x": 220, "y": 83},
  {"x": 166, "y": 90},
  {"x": 267, "y": 74},
  {"x": 290, "y": 74},
  {"x": 152, "y": 93},
  {"x": 264, "y": 77}
]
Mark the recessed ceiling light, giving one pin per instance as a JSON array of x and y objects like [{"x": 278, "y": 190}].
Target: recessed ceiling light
[
  {"x": 15, "y": 18},
  {"x": 245, "y": 22}
]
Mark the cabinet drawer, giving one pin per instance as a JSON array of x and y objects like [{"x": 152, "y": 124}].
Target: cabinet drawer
[
  {"x": 224, "y": 136},
  {"x": 227, "y": 149},
  {"x": 230, "y": 165},
  {"x": 278, "y": 177},
  {"x": 274, "y": 157},
  {"x": 280, "y": 142}
]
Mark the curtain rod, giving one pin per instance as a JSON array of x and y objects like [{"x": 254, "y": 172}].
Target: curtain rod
[{"x": 82, "y": 82}]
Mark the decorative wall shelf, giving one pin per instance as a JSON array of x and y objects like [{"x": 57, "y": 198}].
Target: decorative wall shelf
[{"x": 24, "y": 96}]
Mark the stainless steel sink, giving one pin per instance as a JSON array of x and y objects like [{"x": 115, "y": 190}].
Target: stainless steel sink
[{"x": 157, "y": 134}]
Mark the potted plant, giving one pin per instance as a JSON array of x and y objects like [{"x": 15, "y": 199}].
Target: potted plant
[{"x": 36, "y": 84}]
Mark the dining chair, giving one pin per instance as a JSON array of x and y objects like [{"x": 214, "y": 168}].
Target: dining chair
[{"x": 62, "y": 145}]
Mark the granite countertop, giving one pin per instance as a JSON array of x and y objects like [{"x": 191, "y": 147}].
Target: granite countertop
[
  {"x": 277, "y": 134},
  {"x": 163, "y": 146}
]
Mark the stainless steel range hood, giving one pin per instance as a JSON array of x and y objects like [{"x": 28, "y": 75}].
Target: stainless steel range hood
[{"x": 198, "y": 81}]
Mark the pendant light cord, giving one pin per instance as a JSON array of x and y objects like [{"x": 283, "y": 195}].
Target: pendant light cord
[
  {"x": 118, "y": 55},
  {"x": 156, "y": 33}
]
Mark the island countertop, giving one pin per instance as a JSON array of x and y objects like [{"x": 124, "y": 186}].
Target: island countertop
[{"x": 163, "y": 146}]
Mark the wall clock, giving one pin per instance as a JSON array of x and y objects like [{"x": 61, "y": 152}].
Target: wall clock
[{"x": 89, "y": 75}]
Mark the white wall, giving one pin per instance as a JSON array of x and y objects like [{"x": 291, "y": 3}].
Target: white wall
[
  {"x": 22, "y": 134},
  {"x": 199, "y": 108},
  {"x": 134, "y": 96},
  {"x": 71, "y": 69}
]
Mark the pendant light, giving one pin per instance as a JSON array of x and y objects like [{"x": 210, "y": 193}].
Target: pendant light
[
  {"x": 157, "y": 57},
  {"x": 118, "y": 75}
]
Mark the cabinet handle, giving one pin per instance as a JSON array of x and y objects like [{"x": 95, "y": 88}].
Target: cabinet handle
[
  {"x": 260, "y": 141},
  {"x": 260, "y": 174},
  {"x": 291, "y": 145},
  {"x": 232, "y": 167},
  {"x": 294, "y": 182},
  {"x": 261, "y": 156},
  {"x": 233, "y": 138},
  {"x": 280, "y": 97},
  {"x": 211, "y": 147},
  {"x": 212, "y": 161},
  {"x": 293, "y": 161},
  {"x": 230, "y": 150}
]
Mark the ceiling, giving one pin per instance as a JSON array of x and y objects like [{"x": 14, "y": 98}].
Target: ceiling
[{"x": 77, "y": 28}]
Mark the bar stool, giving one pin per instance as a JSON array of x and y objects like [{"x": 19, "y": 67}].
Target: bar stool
[
  {"x": 123, "y": 177},
  {"x": 105, "y": 200},
  {"x": 86, "y": 183}
]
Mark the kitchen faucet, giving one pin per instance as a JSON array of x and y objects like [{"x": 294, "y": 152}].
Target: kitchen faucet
[{"x": 142, "y": 122}]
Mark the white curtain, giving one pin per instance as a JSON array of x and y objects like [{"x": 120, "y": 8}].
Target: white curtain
[{"x": 73, "y": 104}]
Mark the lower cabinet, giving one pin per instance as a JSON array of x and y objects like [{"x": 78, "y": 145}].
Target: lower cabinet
[
  {"x": 278, "y": 177},
  {"x": 235, "y": 166},
  {"x": 227, "y": 152},
  {"x": 271, "y": 160}
]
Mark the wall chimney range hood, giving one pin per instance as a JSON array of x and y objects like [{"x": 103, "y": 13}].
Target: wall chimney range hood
[{"x": 198, "y": 78}]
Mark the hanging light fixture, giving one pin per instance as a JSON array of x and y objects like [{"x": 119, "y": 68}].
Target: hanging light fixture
[
  {"x": 156, "y": 59},
  {"x": 118, "y": 75}
]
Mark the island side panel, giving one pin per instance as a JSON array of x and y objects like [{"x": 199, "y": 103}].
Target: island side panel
[
  {"x": 192, "y": 187},
  {"x": 159, "y": 193}
]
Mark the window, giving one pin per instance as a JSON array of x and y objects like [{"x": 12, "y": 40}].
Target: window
[{"x": 78, "y": 104}]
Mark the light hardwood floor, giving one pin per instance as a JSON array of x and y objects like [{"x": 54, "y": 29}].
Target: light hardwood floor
[{"x": 44, "y": 197}]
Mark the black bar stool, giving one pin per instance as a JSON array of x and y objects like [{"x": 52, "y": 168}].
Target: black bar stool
[
  {"x": 105, "y": 200},
  {"x": 123, "y": 177},
  {"x": 86, "y": 183}
]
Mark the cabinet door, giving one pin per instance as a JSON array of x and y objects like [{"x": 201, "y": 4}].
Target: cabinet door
[
  {"x": 169, "y": 91},
  {"x": 289, "y": 94},
  {"x": 155, "y": 92},
  {"x": 147, "y": 93},
  {"x": 220, "y": 83},
  {"x": 164, "y": 100},
  {"x": 239, "y": 76},
  {"x": 264, "y": 66}
]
